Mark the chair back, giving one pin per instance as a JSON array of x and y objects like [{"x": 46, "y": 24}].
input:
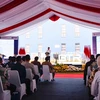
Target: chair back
[
  {"x": 46, "y": 72},
  {"x": 29, "y": 74},
  {"x": 36, "y": 70},
  {"x": 4, "y": 94},
  {"x": 14, "y": 78},
  {"x": 1, "y": 86}
]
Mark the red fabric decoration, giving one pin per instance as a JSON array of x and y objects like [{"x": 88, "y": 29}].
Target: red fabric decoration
[
  {"x": 54, "y": 18},
  {"x": 87, "y": 51},
  {"x": 22, "y": 51},
  {"x": 42, "y": 14}
]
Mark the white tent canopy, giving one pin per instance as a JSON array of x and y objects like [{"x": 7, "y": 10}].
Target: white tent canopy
[{"x": 19, "y": 14}]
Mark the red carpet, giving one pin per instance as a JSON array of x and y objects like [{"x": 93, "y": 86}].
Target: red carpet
[{"x": 69, "y": 75}]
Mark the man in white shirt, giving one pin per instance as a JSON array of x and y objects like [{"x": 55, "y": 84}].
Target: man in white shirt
[{"x": 48, "y": 53}]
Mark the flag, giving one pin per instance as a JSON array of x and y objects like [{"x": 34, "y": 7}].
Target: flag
[{"x": 87, "y": 51}]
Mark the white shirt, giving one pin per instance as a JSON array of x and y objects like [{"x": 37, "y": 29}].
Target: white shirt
[
  {"x": 96, "y": 86},
  {"x": 49, "y": 52},
  {"x": 29, "y": 65}
]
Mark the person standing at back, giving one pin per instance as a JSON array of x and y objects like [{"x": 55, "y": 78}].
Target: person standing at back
[
  {"x": 92, "y": 59},
  {"x": 95, "y": 86}
]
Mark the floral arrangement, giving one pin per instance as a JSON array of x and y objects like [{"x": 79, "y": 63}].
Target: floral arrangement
[{"x": 67, "y": 68}]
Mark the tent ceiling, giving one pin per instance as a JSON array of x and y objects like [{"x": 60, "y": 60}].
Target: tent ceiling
[
  {"x": 18, "y": 14},
  {"x": 4, "y": 2}
]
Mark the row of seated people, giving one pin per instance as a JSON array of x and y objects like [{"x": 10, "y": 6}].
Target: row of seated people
[
  {"x": 14, "y": 84},
  {"x": 21, "y": 64},
  {"x": 92, "y": 80},
  {"x": 26, "y": 63}
]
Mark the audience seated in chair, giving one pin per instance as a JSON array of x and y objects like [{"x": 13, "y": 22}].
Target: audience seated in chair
[
  {"x": 27, "y": 64},
  {"x": 1, "y": 63},
  {"x": 11, "y": 62},
  {"x": 36, "y": 62},
  {"x": 4, "y": 94},
  {"x": 29, "y": 75},
  {"x": 4, "y": 77},
  {"x": 22, "y": 73},
  {"x": 23, "y": 60},
  {"x": 47, "y": 62}
]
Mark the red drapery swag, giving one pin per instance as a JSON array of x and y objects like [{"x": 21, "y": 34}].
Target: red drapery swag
[{"x": 54, "y": 18}]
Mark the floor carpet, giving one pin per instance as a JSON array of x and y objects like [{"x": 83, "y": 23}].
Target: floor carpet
[
  {"x": 60, "y": 89},
  {"x": 69, "y": 75}
]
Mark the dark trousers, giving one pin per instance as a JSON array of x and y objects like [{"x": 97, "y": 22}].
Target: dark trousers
[
  {"x": 36, "y": 77},
  {"x": 89, "y": 92},
  {"x": 12, "y": 88},
  {"x": 28, "y": 90},
  {"x": 49, "y": 58},
  {"x": 53, "y": 73},
  {"x": 41, "y": 72}
]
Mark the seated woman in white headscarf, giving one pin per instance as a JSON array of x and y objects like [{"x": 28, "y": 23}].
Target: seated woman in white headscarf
[{"x": 95, "y": 86}]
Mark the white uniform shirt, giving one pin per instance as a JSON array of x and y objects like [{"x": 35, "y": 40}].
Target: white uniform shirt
[{"x": 95, "y": 87}]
